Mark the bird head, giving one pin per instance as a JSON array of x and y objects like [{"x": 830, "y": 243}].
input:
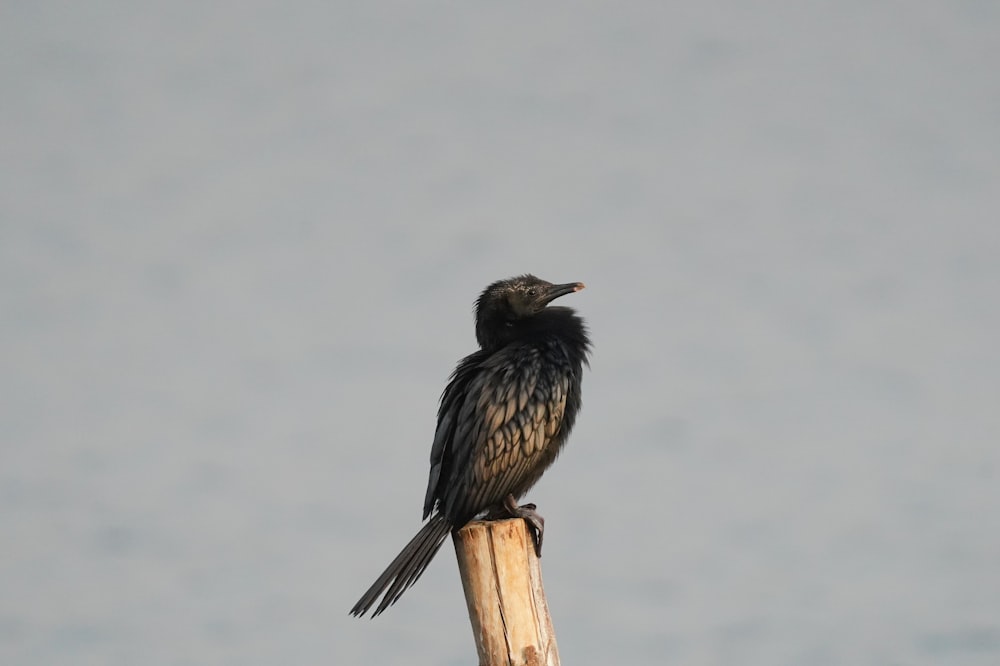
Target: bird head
[{"x": 506, "y": 306}]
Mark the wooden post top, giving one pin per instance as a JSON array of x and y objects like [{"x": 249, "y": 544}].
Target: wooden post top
[{"x": 502, "y": 580}]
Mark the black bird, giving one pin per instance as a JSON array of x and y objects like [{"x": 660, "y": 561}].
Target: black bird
[{"x": 505, "y": 414}]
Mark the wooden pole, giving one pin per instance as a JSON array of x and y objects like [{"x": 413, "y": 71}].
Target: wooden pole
[{"x": 503, "y": 589}]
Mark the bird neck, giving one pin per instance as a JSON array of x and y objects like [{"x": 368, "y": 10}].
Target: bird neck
[{"x": 554, "y": 322}]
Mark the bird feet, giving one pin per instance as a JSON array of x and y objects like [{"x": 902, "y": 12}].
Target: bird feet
[{"x": 527, "y": 511}]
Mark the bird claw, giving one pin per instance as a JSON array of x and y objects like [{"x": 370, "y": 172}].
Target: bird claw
[{"x": 535, "y": 522}]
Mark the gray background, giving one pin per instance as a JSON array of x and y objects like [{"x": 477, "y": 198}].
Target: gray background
[{"x": 240, "y": 245}]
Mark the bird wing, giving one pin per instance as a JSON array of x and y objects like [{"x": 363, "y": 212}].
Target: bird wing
[{"x": 452, "y": 399}]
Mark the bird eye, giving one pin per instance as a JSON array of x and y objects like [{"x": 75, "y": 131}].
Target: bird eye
[{"x": 532, "y": 291}]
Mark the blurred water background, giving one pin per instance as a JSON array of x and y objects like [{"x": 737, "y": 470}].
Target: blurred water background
[{"x": 239, "y": 245}]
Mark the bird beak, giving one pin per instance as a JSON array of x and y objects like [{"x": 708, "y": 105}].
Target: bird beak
[{"x": 557, "y": 290}]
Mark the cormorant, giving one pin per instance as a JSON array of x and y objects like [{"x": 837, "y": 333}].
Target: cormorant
[{"x": 505, "y": 414}]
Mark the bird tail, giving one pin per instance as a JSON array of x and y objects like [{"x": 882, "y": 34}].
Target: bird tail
[{"x": 406, "y": 568}]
